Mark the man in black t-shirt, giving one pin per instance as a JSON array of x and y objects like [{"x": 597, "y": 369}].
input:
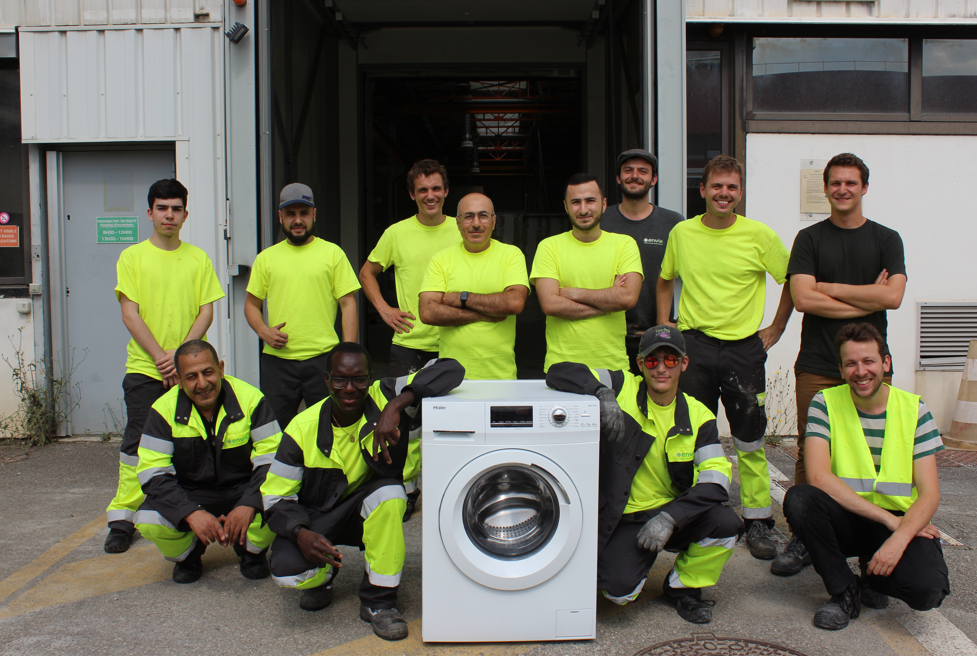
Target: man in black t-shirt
[
  {"x": 649, "y": 225},
  {"x": 843, "y": 270}
]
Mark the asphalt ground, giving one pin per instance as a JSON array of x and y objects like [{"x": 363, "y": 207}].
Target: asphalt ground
[{"x": 61, "y": 594}]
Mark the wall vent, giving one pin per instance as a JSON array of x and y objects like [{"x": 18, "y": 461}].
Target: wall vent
[{"x": 945, "y": 330}]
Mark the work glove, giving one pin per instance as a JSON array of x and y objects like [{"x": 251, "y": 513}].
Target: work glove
[
  {"x": 656, "y": 532},
  {"x": 611, "y": 415}
]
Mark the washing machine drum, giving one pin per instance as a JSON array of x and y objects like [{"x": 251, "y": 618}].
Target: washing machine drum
[{"x": 511, "y": 511}]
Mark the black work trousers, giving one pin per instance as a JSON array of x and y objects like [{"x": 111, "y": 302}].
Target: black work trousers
[
  {"x": 833, "y": 534},
  {"x": 404, "y": 361},
  {"x": 286, "y": 383}
]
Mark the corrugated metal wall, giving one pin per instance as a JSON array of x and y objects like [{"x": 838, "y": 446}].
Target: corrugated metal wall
[
  {"x": 884, "y": 10},
  {"x": 53, "y": 13}
]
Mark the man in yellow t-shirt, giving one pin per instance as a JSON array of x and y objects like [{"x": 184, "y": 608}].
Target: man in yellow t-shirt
[
  {"x": 723, "y": 260},
  {"x": 586, "y": 280},
  {"x": 304, "y": 280},
  {"x": 474, "y": 291},
  {"x": 408, "y": 247},
  {"x": 166, "y": 288}
]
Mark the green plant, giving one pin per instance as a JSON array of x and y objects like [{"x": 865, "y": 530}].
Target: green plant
[
  {"x": 45, "y": 400},
  {"x": 117, "y": 420},
  {"x": 781, "y": 407}
]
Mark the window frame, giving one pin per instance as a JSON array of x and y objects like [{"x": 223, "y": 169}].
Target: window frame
[{"x": 25, "y": 228}]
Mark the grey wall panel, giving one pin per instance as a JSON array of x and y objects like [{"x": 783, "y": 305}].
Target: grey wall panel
[
  {"x": 67, "y": 13},
  {"x": 909, "y": 11}
]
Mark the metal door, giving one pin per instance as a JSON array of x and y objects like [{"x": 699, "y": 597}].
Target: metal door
[{"x": 97, "y": 187}]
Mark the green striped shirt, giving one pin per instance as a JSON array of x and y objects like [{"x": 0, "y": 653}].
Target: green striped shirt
[{"x": 926, "y": 442}]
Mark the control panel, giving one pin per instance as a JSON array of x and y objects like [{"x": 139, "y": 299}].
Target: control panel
[{"x": 544, "y": 415}]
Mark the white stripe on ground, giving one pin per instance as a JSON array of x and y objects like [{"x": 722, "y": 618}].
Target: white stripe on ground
[{"x": 935, "y": 632}]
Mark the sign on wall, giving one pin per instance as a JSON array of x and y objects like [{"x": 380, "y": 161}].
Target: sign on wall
[
  {"x": 9, "y": 236},
  {"x": 814, "y": 204},
  {"x": 117, "y": 230}
]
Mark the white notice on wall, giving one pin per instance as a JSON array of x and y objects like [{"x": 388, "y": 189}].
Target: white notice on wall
[{"x": 813, "y": 203}]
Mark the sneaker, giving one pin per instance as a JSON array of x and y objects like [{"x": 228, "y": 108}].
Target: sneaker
[
  {"x": 254, "y": 566},
  {"x": 793, "y": 560},
  {"x": 843, "y": 607},
  {"x": 411, "y": 504},
  {"x": 315, "y": 598},
  {"x": 118, "y": 541},
  {"x": 760, "y": 540},
  {"x": 692, "y": 609},
  {"x": 191, "y": 568},
  {"x": 387, "y": 623}
]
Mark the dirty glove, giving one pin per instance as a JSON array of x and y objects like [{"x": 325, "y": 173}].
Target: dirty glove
[
  {"x": 655, "y": 533},
  {"x": 611, "y": 415}
]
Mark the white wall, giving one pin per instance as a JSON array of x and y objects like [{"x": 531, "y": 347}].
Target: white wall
[
  {"x": 915, "y": 187},
  {"x": 856, "y": 10},
  {"x": 10, "y": 342}
]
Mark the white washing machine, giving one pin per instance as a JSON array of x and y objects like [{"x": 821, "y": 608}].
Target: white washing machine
[{"x": 510, "y": 517}]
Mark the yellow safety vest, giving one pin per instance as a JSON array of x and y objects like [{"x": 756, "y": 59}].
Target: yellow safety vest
[{"x": 851, "y": 460}]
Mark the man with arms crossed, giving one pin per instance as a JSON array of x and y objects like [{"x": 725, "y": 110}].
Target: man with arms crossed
[
  {"x": 723, "y": 259},
  {"x": 408, "y": 246},
  {"x": 304, "y": 280},
  {"x": 873, "y": 488},
  {"x": 586, "y": 279},
  {"x": 473, "y": 291},
  {"x": 167, "y": 289},
  {"x": 649, "y": 225},
  {"x": 845, "y": 269}
]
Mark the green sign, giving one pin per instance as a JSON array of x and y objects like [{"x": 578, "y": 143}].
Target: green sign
[{"x": 117, "y": 230}]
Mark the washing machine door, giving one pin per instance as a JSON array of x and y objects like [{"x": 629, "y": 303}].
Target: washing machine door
[{"x": 510, "y": 519}]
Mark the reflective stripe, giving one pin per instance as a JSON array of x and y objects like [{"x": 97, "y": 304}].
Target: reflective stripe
[
  {"x": 412, "y": 410},
  {"x": 604, "y": 376},
  {"x": 415, "y": 434},
  {"x": 631, "y": 596},
  {"x": 383, "y": 580},
  {"x": 400, "y": 384},
  {"x": 270, "y": 500},
  {"x": 155, "y": 444},
  {"x": 674, "y": 581},
  {"x": 153, "y": 517},
  {"x": 725, "y": 543},
  {"x": 278, "y": 468},
  {"x": 132, "y": 461},
  {"x": 410, "y": 486},
  {"x": 708, "y": 452},
  {"x": 266, "y": 459},
  {"x": 756, "y": 513},
  {"x": 121, "y": 515},
  {"x": 183, "y": 556},
  {"x": 859, "y": 484},
  {"x": 895, "y": 489},
  {"x": 266, "y": 431},
  {"x": 251, "y": 547},
  {"x": 147, "y": 475},
  {"x": 748, "y": 447},
  {"x": 714, "y": 476},
  {"x": 385, "y": 493},
  {"x": 298, "y": 579}
]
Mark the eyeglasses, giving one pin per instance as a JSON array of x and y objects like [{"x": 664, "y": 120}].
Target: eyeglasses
[
  {"x": 481, "y": 217},
  {"x": 671, "y": 361},
  {"x": 340, "y": 382}
]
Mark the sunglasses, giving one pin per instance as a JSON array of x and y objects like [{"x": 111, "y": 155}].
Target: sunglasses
[
  {"x": 340, "y": 382},
  {"x": 671, "y": 361}
]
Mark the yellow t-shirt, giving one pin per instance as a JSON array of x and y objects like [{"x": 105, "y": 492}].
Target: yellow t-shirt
[
  {"x": 486, "y": 350},
  {"x": 652, "y": 486},
  {"x": 169, "y": 287},
  {"x": 303, "y": 285},
  {"x": 408, "y": 246},
  {"x": 347, "y": 454},
  {"x": 724, "y": 274},
  {"x": 597, "y": 342}
]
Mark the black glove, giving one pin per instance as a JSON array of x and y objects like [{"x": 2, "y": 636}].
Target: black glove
[
  {"x": 611, "y": 415},
  {"x": 656, "y": 532}
]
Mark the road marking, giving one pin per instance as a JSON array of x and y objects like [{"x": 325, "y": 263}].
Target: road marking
[
  {"x": 371, "y": 645},
  {"x": 39, "y": 565},
  {"x": 893, "y": 634},
  {"x": 935, "y": 632}
]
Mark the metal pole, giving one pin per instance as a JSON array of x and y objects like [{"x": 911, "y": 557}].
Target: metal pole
[{"x": 669, "y": 35}]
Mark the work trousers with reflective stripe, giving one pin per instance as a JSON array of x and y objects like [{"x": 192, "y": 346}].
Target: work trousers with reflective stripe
[
  {"x": 833, "y": 534},
  {"x": 703, "y": 547},
  {"x": 286, "y": 383},
  {"x": 176, "y": 542},
  {"x": 370, "y": 518},
  {"x": 140, "y": 392},
  {"x": 403, "y": 362},
  {"x": 734, "y": 372}
]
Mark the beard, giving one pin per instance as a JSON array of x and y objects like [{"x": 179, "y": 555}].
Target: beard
[
  {"x": 298, "y": 241},
  {"x": 631, "y": 195},
  {"x": 595, "y": 224}
]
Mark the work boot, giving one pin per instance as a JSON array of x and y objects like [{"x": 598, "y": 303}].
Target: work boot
[
  {"x": 793, "y": 560},
  {"x": 411, "y": 504},
  {"x": 843, "y": 607},
  {"x": 690, "y": 608},
  {"x": 254, "y": 566},
  {"x": 315, "y": 598},
  {"x": 759, "y": 539},
  {"x": 118, "y": 541},
  {"x": 190, "y": 569},
  {"x": 870, "y": 597},
  {"x": 387, "y": 623}
]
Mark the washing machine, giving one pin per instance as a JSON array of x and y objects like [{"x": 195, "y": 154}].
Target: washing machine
[{"x": 510, "y": 513}]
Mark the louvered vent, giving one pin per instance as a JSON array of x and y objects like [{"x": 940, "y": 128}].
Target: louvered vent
[{"x": 945, "y": 331}]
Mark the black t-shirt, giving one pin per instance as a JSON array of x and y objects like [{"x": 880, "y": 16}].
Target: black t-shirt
[
  {"x": 837, "y": 255},
  {"x": 651, "y": 233}
]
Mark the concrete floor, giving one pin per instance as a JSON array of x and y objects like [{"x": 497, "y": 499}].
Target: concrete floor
[{"x": 61, "y": 594}]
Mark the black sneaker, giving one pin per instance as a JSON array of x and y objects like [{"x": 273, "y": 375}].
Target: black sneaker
[
  {"x": 387, "y": 623},
  {"x": 692, "y": 609},
  {"x": 118, "y": 541},
  {"x": 315, "y": 598},
  {"x": 191, "y": 568},
  {"x": 759, "y": 539},
  {"x": 411, "y": 504},
  {"x": 793, "y": 560},
  {"x": 843, "y": 607}
]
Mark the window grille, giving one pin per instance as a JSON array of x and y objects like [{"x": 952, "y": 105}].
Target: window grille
[{"x": 945, "y": 330}]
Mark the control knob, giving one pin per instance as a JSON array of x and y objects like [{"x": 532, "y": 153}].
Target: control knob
[{"x": 559, "y": 416}]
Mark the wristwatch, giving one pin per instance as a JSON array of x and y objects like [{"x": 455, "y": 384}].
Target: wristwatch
[{"x": 464, "y": 300}]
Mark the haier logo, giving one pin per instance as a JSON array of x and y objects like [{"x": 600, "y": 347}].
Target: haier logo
[{"x": 440, "y": 407}]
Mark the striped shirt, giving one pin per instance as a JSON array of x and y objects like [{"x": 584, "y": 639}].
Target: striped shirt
[{"x": 926, "y": 443}]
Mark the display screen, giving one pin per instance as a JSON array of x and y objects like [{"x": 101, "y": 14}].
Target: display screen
[{"x": 511, "y": 416}]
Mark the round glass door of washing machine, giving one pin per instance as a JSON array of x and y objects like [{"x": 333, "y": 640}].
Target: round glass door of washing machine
[{"x": 510, "y": 519}]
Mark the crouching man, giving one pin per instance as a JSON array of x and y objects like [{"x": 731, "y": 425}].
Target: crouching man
[
  {"x": 327, "y": 485},
  {"x": 873, "y": 488},
  {"x": 663, "y": 477},
  {"x": 203, "y": 456}
]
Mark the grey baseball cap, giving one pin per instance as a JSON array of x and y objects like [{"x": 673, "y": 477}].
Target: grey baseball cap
[
  {"x": 661, "y": 336},
  {"x": 296, "y": 193},
  {"x": 640, "y": 153}
]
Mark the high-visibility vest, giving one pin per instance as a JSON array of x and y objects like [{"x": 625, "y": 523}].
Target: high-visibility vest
[{"x": 892, "y": 487}]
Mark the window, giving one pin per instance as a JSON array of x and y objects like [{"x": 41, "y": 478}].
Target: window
[
  {"x": 707, "y": 102},
  {"x": 14, "y": 222},
  {"x": 949, "y": 76}
]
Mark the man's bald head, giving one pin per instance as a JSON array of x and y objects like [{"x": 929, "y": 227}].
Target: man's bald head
[
  {"x": 476, "y": 221},
  {"x": 478, "y": 199}
]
